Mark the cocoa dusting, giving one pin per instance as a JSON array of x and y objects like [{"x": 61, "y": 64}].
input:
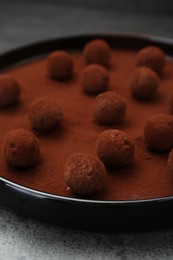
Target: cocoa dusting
[{"x": 147, "y": 177}]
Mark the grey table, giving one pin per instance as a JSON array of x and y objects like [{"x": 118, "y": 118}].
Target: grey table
[{"x": 24, "y": 239}]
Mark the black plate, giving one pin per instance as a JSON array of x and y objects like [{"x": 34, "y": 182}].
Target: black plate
[{"x": 79, "y": 213}]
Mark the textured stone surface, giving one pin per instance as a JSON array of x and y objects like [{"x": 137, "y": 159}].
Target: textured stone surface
[
  {"x": 23, "y": 22},
  {"x": 30, "y": 240}
]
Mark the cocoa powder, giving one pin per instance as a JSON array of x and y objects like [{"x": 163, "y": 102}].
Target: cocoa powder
[{"x": 149, "y": 175}]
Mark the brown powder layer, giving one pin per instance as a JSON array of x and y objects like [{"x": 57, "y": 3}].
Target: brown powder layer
[{"x": 148, "y": 177}]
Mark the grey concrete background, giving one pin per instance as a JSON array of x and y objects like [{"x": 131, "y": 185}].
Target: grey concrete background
[
  {"x": 23, "y": 22},
  {"x": 147, "y": 6}
]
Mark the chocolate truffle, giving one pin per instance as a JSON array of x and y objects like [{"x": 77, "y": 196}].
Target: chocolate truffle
[
  {"x": 97, "y": 51},
  {"x": 60, "y": 65},
  {"x": 152, "y": 57},
  {"x": 114, "y": 148},
  {"x": 144, "y": 83},
  {"x": 85, "y": 174},
  {"x": 110, "y": 108},
  {"x": 45, "y": 115},
  {"x": 158, "y": 132},
  {"x": 170, "y": 160},
  {"x": 21, "y": 148},
  {"x": 171, "y": 102},
  {"x": 94, "y": 79},
  {"x": 9, "y": 90}
]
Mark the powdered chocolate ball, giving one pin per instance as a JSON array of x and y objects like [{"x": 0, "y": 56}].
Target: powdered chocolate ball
[
  {"x": 45, "y": 114},
  {"x": 171, "y": 102},
  {"x": 94, "y": 79},
  {"x": 9, "y": 90},
  {"x": 152, "y": 57},
  {"x": 60, "y": 65},
  {"x": 85, "y": 174},
  {"x": 114, "y": 148},
  {"x": 170, "y": 160},
  {"x": 110, "y": 108},
  {"x": 97, "y": 51},
  {"x": 144, "y": 83},
  {"x": 158, "y": 132},
  {"x": 21, "y": 148}
]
